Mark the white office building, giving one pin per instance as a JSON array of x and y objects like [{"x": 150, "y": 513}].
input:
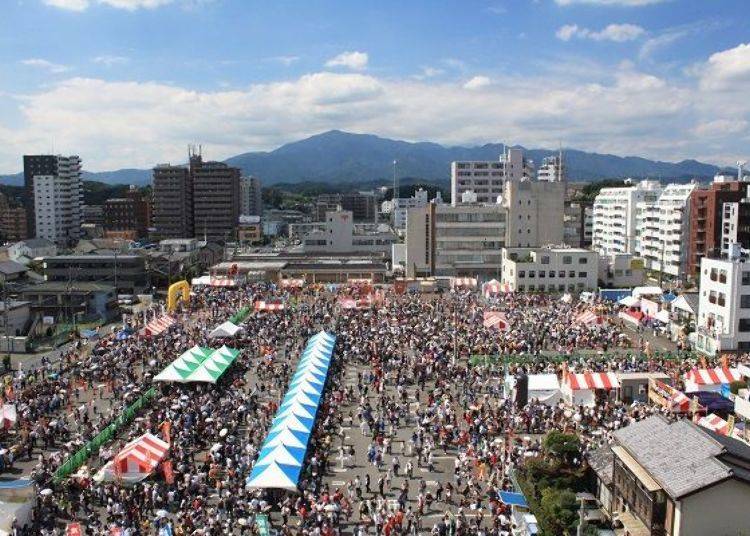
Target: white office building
[
  {"x": 339, "y": 234},
  {"x": 723, "y": 306},
  {"x": 487, "y": 178},
  {"x": 550, "y": 269},
  {"x": 662, "y": 230},
  {"x": 58, "y": 202},
  {"x": 251, "y": 200},
  {"x": 614, "y": 220},
  {"x": 551, "y": 170},
  {"x": 402, "y": 205}
]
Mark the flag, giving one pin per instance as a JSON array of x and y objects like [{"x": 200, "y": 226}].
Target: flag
[
  {"x": 166, "y": 431},
  {"x": 497, "y": 320},
  {"x": 168, "y": 472}
]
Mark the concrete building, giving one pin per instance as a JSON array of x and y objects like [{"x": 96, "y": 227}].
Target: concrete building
[
  {"x": 550, "y": 269},
  {"x": 127, "y": 273},
  {"x": 33, "y": 165},
  {"x": 551, "y": 170},
  {"x": 251, "y": 196},
  {"x": 614, "y": 220},
  {"x": 127, "y": 217},
  {"x": 13, "y": 226},
  {"x": 487, "y": 178},
  {"x": 535, "y": 213},
  {"x": 340, "y": 234},
  {"x": 735, "y": 225},
  {"x": 64, "y": 301},
  {"x": 249, "y": 230},
  {"x": 172, "y": 201},
  {"x": 216, "y": 200},
  {"x": 676, "y": 479},
  {"x": 578, "y": 224},
  {"x": 58, "y": 201},
  {"x": 15, "y": 321},
  {"x": 362, "y": 205},
  {"x": 662, "y": 230},
  {"x": 400, "y": 206},
  {"x": 621, "y": 270},
  {"x": 30, "y": 249},
  {"x": 94, "y": 214},
  {"x": 723, "y": 323}
]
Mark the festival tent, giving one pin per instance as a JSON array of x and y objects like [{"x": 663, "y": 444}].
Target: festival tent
[
  {"x": 182, "y": 367},
  {"x": 714, "y": 423},
  {"x": 227, "y": 329},
  {"x": 463, "y": 282},
  {"x": 588, "y": 318},
  {"x": 269, "y": 306},
  {"x": 202, "y": 281},
  {"x": 292, "y": 283},
  {"x": 544, "y": 388},
  {"x": 494, "y": 287},
  {"x": 136, "y": 461},
  {"x": 158, "y": 325},
  {"x": 282, "y": 455},
  {"x": 212, "y": 368},
  {"x": 496, "y": 319},
  {"x": 710, "y": 379},
  {"x": 580, "y": 389},
  {"x": 222, "y": 281},
  {"x": 630, "y": 301}
]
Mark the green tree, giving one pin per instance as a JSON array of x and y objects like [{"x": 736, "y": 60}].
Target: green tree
[
  {"x": 564, "y": 448},
  {"x": 558, "y": 514}
]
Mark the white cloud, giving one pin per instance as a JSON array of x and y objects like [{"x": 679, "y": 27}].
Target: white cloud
[
  {"x": 623, "y": 3},
  {"x": 426, "y": 72},
  {"x": 46, "y": 65},
  {"x": 356, "y": 61},
  {"x": 478, "y": 82},
  {"x": 619, "y": 110},
  {"x": 109, "y": 60},
  {"x": 728, "y": 69},
  {"x": 619, "y": 33},
  {"x": 654, "y": 44},
  {"x": 286, "y": 61},
  {"x": 128, "y": 5}
]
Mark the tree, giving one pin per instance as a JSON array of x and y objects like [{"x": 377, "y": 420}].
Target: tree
[
  {"x": 557, "y": 514},
  {"x": 565, "y": 448}
]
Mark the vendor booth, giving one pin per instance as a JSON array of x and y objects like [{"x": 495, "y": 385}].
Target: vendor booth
[
  {"x": 583, "y": 389},
  {"x": 136, "y": 461},
  {"x": 227, "y": 329},
  {"x": 494, "y": 288},
  {"x": 463, "y": 283},
  {"x": 710, "y": 379},
  {"x": 715, "y": 423},
  {"x": 158, "y": 325},
  {"x": 269, "y": 306},
  {"x": 544, "y": 388},
  {"x": 666, "y": 396}
]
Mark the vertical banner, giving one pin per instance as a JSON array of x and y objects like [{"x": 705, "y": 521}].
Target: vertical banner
[{"x": 168, "y": 472}]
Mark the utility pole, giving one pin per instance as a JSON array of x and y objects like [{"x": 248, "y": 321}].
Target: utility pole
[{"x": 6, "y": 305}]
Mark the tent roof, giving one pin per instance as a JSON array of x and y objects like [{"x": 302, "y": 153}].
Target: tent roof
[
  {"x": 227, "y": 329},
  {"x": 629, "y": 301},
  {"x": 543, "y": 382},
  {"x": 182, "y": 367}
]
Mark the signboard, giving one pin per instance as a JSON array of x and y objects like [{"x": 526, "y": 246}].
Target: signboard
[{"x": 48, "y": 320}]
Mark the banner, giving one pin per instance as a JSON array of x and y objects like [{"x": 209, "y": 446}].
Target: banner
[
  {"x": 168, "y": 472},
  {"x": 166, "y": 431}
]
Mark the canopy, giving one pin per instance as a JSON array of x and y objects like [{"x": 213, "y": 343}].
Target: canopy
[
  {"x": 141, "y": 455},
  {"x": 182, "y": 367},
  {"x": 662, "y": 316},
  {"x": 683, "y": 303},
  {"x": 543, "y": 382},
  {"x": 715, "y": 423},
  {"x": 269, "y": 306},
  {"x": 468, "y": 282},
  {"x": 646, "y": 291},
  {"x": 713, "y": 376},
  {"x": 496, "y": 319},
  {"x": 292, "y": 283},
  {"x": 513, "y": 499},
  {"x": 493, "y": 287},
  {"x": 222, "y": 281},
  {"x": 587, "y": 318},
  {"x": 201, "y": 281},
  {"x": 281, "y": 456},
  {"x": 214, "y": 366},
  {"x": 227, "y": 329},
  {"x": 158, "y": 325},
  {"x": 629, "y": 301},
  {"x": 592, "y": 380}
]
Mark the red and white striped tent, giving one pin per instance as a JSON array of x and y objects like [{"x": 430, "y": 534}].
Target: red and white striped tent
[
  {"x": 141, "y": 456},
  {"x": 714, "y": 423},
  {"x": 710, "y": 379},
  {"x": 588, "y": 318},
  {"x": 353, "y": 303},
  {"x": 496, "y": 320},
  {"x": 494, "y": 287},
  {"x": 464, "y": 282},
  {"x": 222, "y": 281},
  {"x": 269, "y": 306},
  {"x": 292, "y": 283},
  {"x": 158, "y": 325},
  {"x": 679, "y": 402},
  {"x": 579, "y": 388}
]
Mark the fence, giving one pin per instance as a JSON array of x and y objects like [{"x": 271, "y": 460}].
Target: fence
[
  {"x": 520, "y": 359},
  {"x": 106, "y": 435}
]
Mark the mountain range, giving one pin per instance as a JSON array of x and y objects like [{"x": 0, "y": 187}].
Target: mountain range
[{"x": 344, "y": 158}]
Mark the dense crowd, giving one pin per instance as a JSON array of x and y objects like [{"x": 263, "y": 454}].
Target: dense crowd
[{"x": 400, "y": 380}]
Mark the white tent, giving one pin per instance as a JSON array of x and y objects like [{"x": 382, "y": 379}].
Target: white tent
[
  {"x": 647, "y": 291},
  {"x": 630, "y": 301},
  {"x": 227, "y": 329}
]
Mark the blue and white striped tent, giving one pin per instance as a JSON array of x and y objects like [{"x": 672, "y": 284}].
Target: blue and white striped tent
[{"x": 280, "y": 460}]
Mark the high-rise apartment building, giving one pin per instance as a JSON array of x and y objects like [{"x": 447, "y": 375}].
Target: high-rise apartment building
[
  {"x": 661, "y": 230},
  {"x": 173, "y": 202},
  {"x": 251, "y": 199},
  {"x": 614, "y": 220},
  {"x": 735, "y": 226},
  {"x": 127, "y": 217},
  {"x": 706, "y": 219},
  {"x": 12, "y": 222},
  {"x": 552, "y": 169},
  {"x": 362, "y": 205},
  {"x": 487, "y": 178},
  {"x": 38, "y": 164},
  {"x": 58, "y": 197},
  {"x": 216, "y": 199}
]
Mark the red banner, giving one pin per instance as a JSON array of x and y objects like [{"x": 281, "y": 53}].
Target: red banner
[
  {"x": 168, "y": 472},
  {"x": 166, "y": 431}
]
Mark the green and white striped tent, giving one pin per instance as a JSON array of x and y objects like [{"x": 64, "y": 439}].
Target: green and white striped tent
[
  {"x": 211, "y": 369},
  {"x": 181, "y": 368}
]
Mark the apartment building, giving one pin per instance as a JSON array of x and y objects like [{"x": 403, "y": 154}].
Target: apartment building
[
  {"x": 12, "y": 222},
  {"x": 172, "y": 201},
  {"x": 362, "y": 205},
  {"x": 707, "y": 220},
  {"x": 735, "y": 226},
  {"x": 127, "y": 217},
  {"x": 551, "y": 170},
  {"x": 216, "y": 199},
  {"x": 550, "y": 269},
  {"x": 535, "y": 213},
  {"x": 127, "y": 273},
  {"x": 251, "y": 198},
  {"x": 578, "y": 224},
  {"x": 57, "y": 199},
  {"x": 662, "y": 230},
  {"x": 487, "y": 178},
  {"x": 614, "y": 219},
  {"x": 723, "y": 323},
  {"x": 401, "y": 206}
]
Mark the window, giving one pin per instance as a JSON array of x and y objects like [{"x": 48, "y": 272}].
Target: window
[
  {"x": 532, "y": 273},
  {"x": 744, "y": 325},
  {"x": 521, "y": 288},
  {"x": 567, "y": 259},
  {"x": 521, "y": 273},
  {"x": 545, "y": 259},
  {"x": 571, "y": 273},
  {"x": 581, "y": 274},
  {"x": 583, "y": 260},
  {"x": 560, "y": 287},
  {"x": 746, "y": 278},
  {"x": 542, "y": 273},
  {"x": 561, "y": 273},
  {"x": 745, "y": 301},
  {"x": 552, "y": 273},
  {"x": 541, "y": 288}
]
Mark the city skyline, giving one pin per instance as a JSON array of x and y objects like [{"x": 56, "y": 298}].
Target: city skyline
[{"x": 99, "y": 78}]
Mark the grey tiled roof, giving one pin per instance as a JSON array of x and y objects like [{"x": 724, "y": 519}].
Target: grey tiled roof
[
  {"x": 679, "y": 456},
  {"x": 601, "y": 462}
]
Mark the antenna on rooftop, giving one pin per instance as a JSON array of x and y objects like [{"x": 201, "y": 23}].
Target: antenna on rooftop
[{"x": 740, "y": 166}]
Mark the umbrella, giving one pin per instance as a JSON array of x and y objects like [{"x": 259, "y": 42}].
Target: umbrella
[
  {"x": 223, "y": 432},
  {"x": 161, "y": 513},
  {"x": 45, "y": 492}
]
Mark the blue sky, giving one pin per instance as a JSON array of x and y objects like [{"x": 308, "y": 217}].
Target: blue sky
[{"x": 128, "y": 83}]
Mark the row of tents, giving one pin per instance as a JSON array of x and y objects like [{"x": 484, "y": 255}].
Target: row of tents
[
  {"x": 198, "y": 364},
  {"x": 282, "y": 455}
]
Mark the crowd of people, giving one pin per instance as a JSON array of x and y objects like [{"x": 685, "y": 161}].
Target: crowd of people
[{"x": 422, "y": 439}]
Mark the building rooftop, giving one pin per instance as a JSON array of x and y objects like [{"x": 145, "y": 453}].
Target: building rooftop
[
  {"x": 64, "y": 286},
  {"x": 108, "y": 256},
  {"x": 682, "y": 457},
  {"x": 12, "y": 267},
  {"x": 38, "y": 243}
]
